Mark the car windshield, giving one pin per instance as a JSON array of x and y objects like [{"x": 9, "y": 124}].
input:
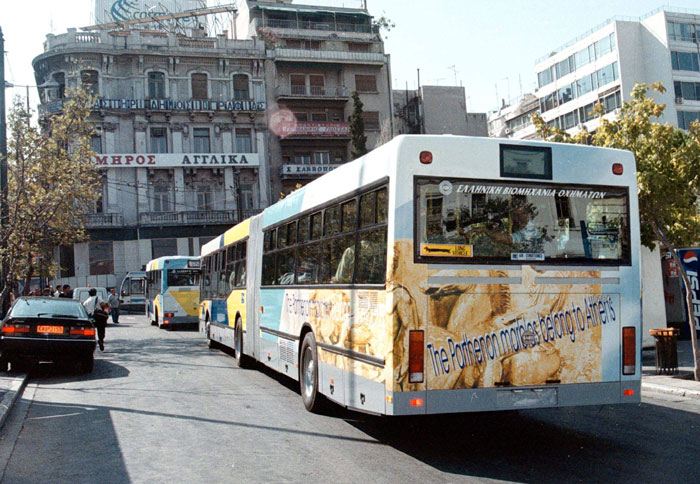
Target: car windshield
[{"x": 47, "y": 308}]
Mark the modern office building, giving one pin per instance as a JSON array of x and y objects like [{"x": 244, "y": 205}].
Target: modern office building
[
  {"x": 604, "y": 64},
  {"x": 436, "y": 110},
  {"x": 181, "y": 126},
  {"x": 316, "y": 58}
]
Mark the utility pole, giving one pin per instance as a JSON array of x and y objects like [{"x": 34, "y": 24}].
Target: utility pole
[{"x": 3, "y": 164}]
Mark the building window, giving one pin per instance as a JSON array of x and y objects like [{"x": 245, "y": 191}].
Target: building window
[
  {"x": 163, "y": 247},
  {"x": 159, "y": 140},
  {"x": 683, "y": 32},
  {"x": 156, "y": 85},
  {"x": 90, "y": 82},
  {"x": 205, "y": 197},
  {"x": 684, "y": 61},
  {"x": 322, "y": 158},
  {"x": 240, "y": 87},
  {"x": 545, "y": 77},
  {"x": 371, "y": 119},
  {"x": 60, "y": 79},
  {"x": 365, "y": 83},
  {"x": 247, "y": 198},
  {"x": 96, "y": 143},
  {"x": 302, "y": 158},
  {"x": 243, "y": 141},
  {"x": 300, "y": 116},
  {"x": 201, "y": 140},
  {"x": 101, "y": 258},
  {"x": 66, "y": 259},
  {"x": 199, "y": 86},
  {"x": 565, "y": 94},
  {"x": 317, "y": 84},
  {"x": 687, "y": 90},
  {"x": 565, "y": 67},
  {"x": 686, "y": 118},
  {"x": 161, "y": 198},
  {"x": 298, "y": 83},
  {"x": 319, "y": 117}
]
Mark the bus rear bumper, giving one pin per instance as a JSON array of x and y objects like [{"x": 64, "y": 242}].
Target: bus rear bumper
[
  {"x": 516, "y": 398},
  {"x": 172, "y": 321}
]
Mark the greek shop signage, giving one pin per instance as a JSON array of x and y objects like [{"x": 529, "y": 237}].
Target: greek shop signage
[
  {"x": 171, "y": 105},
  {"x": 184, "y": 160},
  {"x": 307, "y": 169}
]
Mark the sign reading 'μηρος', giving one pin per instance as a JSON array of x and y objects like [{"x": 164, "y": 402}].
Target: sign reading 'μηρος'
[{"x": 185, "y": 160}]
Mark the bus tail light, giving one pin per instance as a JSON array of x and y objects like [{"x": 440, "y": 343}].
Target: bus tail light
[
  {"x": 617, "y": 168},
  {"x": 417, "y": 402},
  {"x": 169, "y": 315},
  {"x": 425, "y": 157},
  {"x": 629, "y": 350},
  {"x": 15, "y": 328},
  {"x": 416, "y": 354}
]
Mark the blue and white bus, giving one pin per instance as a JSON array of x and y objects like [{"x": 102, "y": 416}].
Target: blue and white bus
[
  {"x": 443, "y": 274},
  {"x": 172, "y": 291}
]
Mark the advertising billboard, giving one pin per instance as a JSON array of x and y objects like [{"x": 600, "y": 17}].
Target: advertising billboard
[{"x": 107, "y": 11}]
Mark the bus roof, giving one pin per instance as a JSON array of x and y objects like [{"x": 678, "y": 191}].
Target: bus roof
[
  {"x": 234, "y": 234},
  {"x": 177, "y": 261}
]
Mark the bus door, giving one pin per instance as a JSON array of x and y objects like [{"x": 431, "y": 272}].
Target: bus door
[{"x": 253, "y": 274}]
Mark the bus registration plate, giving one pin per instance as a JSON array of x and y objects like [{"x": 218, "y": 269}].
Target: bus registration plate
[
  {"x": 446, "y": 250},
  {"x": 49, "y": 329}
]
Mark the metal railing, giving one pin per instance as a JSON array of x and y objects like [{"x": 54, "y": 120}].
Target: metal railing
[
  {"x": 189, "y": 217},
  {"x": 325, "y": 26},
  {"x": 94, "y": 220},
  {"x": 313, "y": 91}
]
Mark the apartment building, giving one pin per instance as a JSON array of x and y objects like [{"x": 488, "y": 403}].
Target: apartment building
[
  {"x": 180, "y": 123},
  {"x": 316, "y": 57}
]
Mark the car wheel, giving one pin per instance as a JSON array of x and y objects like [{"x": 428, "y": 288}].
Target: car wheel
[
  {"x": 308, "y": 375},
  {"x": 4, "y": 364},
  {"x": 242, "y": 360}
]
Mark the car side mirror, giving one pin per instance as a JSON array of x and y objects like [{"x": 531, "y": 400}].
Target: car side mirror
[{"x": 124, "y": 293}]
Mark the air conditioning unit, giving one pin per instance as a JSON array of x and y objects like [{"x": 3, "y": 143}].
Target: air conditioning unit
[{"x": 679, "y": 100}]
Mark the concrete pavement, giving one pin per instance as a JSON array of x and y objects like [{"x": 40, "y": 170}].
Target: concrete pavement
[{"x": 682, "y": 384}]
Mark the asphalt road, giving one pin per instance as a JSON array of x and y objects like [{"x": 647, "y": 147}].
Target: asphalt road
[{"x": 162, "y": 407}]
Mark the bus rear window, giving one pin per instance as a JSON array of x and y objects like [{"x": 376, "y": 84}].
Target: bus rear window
[
  {"x": 183, "y": 277},
  {"x": 516, "y": 222}
]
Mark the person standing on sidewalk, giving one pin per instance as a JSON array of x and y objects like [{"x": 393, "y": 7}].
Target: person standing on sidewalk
[{"x": 113, "y": 301}]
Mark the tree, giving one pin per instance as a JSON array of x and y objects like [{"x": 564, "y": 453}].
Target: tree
[
  {"x": 357, "y": 128},
  {"x": 668, "y": 174},
  {"x": 52, "y": 183},
  {"x": 383, "y": 23}
]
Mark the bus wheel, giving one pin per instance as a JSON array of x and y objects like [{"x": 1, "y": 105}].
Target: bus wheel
[
  {"x": 242, "y": 360},
  {"x": 308, "y": 375},
  {"x": 154, "y": 322}
]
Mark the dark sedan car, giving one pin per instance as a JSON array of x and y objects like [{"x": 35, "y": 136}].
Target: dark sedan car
[{"x": 47, "y": 328}]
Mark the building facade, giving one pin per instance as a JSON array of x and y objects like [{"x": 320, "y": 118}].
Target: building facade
[
  {"x": 436, "y": 110},
  {"x": 605, "y": 63},
  {"x": 515, "y": 117},
  {"x": 316, "y": 58},
  {"x": 181, "y": 140}
]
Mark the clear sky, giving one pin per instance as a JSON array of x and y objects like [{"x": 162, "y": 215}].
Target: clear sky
[{"x": 490, "y": 47}]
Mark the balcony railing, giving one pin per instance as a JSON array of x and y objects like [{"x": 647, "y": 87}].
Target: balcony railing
[
  {"x": 325, "y": 26},
  {"x": 310, "y": 128},
  {"x": 328, "y": 56},
  {"x": 312, "y": 91},
  {"x": 103, "y": 220},
  {"x": 195, "y": 217}
]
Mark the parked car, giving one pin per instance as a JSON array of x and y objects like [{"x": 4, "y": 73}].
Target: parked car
[
  {"x": 82, "y": 293},
  {"x": 47, "y": 328}
]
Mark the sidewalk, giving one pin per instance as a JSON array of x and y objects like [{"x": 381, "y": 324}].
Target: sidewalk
[
  {"x": 681, "y": 384},
  {"x": 11, "y": 386}
]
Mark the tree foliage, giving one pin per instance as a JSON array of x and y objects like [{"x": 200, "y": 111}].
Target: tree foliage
[
  {"x": 668, "y": 172},
  {"x": 357, "y": 128},
  {"x": 51, "y": 185}
]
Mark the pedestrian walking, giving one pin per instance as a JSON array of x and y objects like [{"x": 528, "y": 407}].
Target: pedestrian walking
[
  {"x": 100, "y": 315},
  {"x": 67, "y": 291},
  {"x": 92, "y": 302},
  {"x": 113, "y": 301}
]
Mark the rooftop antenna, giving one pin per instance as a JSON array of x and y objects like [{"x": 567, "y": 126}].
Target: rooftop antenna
[{"x": 453, "y": 68}]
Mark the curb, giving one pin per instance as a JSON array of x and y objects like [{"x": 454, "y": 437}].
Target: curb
[
  {"x": 678, "y": 391},
  {"x": 11, "y": 395}
]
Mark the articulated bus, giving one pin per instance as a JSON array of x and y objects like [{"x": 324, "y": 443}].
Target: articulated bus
[
  {"x": 132, "y": 292},
  {"x": 442, "y": 274},
  {"x": 172, "y": 291}
]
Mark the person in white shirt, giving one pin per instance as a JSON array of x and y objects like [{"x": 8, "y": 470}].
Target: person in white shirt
[{"x": 92, "y": 302}]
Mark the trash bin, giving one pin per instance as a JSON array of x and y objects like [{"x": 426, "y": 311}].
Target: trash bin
[{"x": 666, "y": 350}]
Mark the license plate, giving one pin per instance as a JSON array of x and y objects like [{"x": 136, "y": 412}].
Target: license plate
[{"x": 50, "y": 329}]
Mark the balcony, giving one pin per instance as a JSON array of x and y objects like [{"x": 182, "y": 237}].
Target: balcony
[
  {"x": 195, "y": 217},
  {"x": 343, "y": 56},
  {"x": 312, "y": 92},
  {"x": 290, "y": 171},
  {"x": 103, "y": 220}
]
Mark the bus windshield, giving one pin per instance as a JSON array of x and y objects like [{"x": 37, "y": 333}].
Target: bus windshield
[
  {"x": 183, "y": 277},
  {"x": 515, "y": 222}
]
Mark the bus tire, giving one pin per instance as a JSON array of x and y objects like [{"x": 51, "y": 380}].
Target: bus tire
[
  {"x": 242, "y": 360},
  {"x": 308, "y": 375}
]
